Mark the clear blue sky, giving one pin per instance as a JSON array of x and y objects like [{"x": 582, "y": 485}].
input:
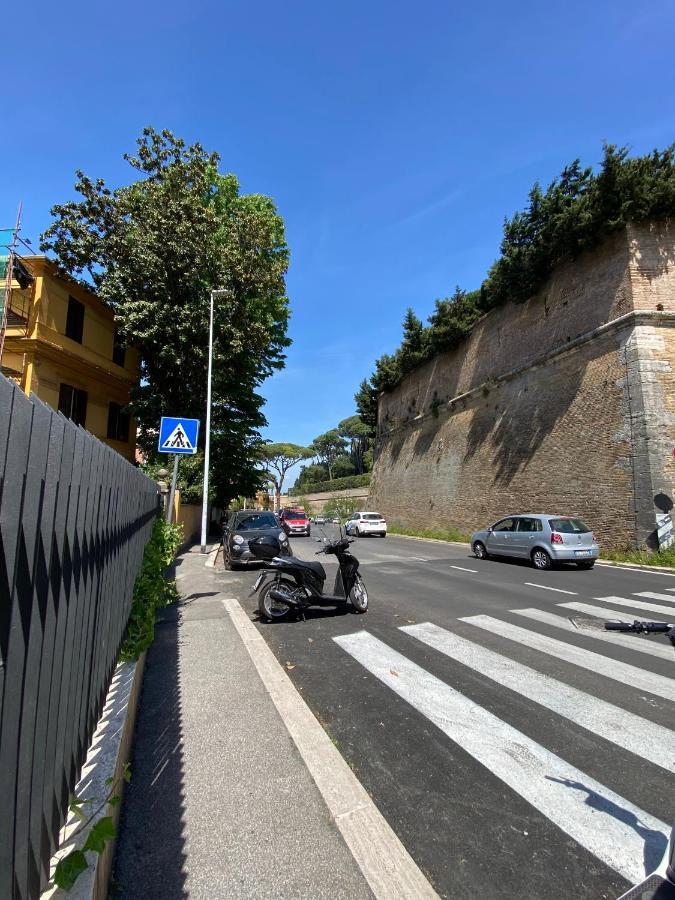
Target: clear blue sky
[{"x": 394, "y": 136}]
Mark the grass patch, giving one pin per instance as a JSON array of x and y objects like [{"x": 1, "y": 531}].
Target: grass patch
[
  {"x": 438, "y": 534},
  {"x": 642, "y": 557}
]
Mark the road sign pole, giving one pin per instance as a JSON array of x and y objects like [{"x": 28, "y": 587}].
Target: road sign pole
[
  {"x": 207, "y": 447},
  {"x": 172, "y": 492}
]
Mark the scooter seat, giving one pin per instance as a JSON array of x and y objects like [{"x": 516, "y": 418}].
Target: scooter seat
[{"x": 315, "y": 567}]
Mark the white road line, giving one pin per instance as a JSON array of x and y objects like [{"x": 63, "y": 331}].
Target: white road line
[
  {"x": 387, "y": 866},
  {"x": 589, "y": 812},
  {"x": 632, "y": 642},
  {"x": 545, "y": 587},
  {"x": 644, "y": 571},
  {"x": 652, "y": 596},
  {"x": 585, "y": 659},
  {"x": 462, "y": 569},
  {"x": 637, "y": 604},
  {"x": 635, "y": 734}
]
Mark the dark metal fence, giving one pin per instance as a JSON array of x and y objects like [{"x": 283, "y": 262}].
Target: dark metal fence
[{"x": 74, "y": 520}]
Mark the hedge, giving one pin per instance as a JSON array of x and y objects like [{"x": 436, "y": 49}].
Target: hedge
[{"x": 337, "y": 484}]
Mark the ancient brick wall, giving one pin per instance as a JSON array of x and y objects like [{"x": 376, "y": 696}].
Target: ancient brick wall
[{"x": 565, "y": 403}]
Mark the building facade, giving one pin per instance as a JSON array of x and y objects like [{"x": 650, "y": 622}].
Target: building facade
[{"x": 61, "y": 345}]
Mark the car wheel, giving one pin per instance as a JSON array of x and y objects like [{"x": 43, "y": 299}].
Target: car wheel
[
  {"x": 479, "y": 550},
  {"x": 384, "y": 535},
  {"x": 227, "y": 561},
  {"x": 586, "y": 564},
  {"x": 541, "y": 559}
]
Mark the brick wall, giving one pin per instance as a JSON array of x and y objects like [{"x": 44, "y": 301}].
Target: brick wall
[{"x": 565, "y": 403}]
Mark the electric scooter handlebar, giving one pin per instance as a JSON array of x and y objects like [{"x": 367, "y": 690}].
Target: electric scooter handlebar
[{"x": 641, "y": 627}]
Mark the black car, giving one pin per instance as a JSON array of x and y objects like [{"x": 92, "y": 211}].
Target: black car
[{"x": 245, "y": 525}]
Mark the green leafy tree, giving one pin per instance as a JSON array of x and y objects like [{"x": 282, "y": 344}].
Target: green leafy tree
[
  {"x": 343, "y": 466},
  {"x": 309, "y": 474},
  {"x": 154, "y": 249},
  {"x": 277, "y": 459},
  {"x": 340, "y": 507},
  {"x": 412, "y": 350},
  {"x": 327, "y": 447},
  {"x": 366, "y": 405},
  {"x": 355, "y": 430}
]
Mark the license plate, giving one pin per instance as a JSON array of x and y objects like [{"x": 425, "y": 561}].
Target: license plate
[{"x": 582, "y": 553}]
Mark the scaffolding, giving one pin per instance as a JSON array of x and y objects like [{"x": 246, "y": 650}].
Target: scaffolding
[{"x": 14, "y": 305}]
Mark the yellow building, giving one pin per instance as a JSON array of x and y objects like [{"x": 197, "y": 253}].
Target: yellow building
[{"x": 60, "y": 345}]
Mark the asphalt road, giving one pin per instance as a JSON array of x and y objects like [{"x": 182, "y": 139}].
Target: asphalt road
[{"x": 513, "y": 755}]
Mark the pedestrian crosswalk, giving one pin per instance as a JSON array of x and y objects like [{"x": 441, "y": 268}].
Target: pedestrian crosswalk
[{"x": 613, "y": 828}]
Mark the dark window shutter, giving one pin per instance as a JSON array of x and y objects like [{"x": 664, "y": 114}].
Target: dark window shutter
[{"x": 75, "y": 320}]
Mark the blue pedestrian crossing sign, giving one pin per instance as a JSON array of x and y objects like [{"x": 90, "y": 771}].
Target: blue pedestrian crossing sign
[{"x": 178, "y": 435}]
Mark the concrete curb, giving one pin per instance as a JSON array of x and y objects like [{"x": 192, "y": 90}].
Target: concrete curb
[
  {"x": 109, "y": 752},
  {"x": 667, "y": 570},
  {"x": 390, "y": 871}
]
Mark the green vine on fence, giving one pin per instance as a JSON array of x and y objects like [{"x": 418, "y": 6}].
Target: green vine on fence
[
  {"x": 69, "y": 869},
  {"x": 152, "y": 589}
]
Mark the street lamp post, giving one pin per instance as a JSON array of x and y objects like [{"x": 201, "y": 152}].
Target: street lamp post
[{"x": 207, "y": 446}]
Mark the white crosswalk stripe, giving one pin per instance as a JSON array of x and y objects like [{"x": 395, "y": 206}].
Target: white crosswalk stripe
[
  {"x": 649, "y": 682},
  {"x": 637, "y": 604},
  {"x": 631, "y": 642},
  {"x": 595, "y": 816},
  {"x": 633, "y": 733},
  {"x": 651, "y": 595}
]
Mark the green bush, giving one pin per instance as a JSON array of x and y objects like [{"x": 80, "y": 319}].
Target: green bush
[
  {"x": 337, "y": 484},
  {"x": 151, "y": 589},
  {"x": 342, "y": 507},
  {"x": 643, "y": 557}
]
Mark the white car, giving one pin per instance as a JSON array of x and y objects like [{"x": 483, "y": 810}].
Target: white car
[{"x": 363, "y": 523}]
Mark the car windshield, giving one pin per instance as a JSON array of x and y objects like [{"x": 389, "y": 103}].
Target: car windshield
[
  {"x": 375, "y": 516},
  {"x": 254, "y": 521},
  {"x": 568, "y": 526},
  {"x": 295, "y": 514}
]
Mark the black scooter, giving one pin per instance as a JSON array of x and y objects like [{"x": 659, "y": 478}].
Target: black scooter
[{"x": 292, "y": 584}]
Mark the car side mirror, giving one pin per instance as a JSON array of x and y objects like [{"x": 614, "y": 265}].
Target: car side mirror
[{"x": 490, "y": 529}]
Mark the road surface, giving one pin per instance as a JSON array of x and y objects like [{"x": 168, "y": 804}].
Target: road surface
[{"x": 513, "y": 755}]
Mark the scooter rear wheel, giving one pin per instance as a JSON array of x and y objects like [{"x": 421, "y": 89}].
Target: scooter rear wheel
[
  {"x": 272, "y": 609},
  {"x": 358, "y": 596}
]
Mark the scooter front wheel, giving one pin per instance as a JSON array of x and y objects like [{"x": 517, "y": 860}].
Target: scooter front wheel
[
  {"x": 271, "y": 609},
  {"x": 358, "y": 596}
]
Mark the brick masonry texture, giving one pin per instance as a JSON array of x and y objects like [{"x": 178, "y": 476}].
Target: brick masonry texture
[{"x": 565, "y": 403}]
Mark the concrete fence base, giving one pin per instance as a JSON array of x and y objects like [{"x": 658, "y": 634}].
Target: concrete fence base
[{"x": 109, "y": 752}]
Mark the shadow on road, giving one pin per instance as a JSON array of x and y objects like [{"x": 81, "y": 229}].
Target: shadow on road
[{"x": 655, "y": 841}]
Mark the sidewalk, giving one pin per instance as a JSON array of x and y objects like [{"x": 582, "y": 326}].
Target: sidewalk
[{"x": 220, "y": 803}]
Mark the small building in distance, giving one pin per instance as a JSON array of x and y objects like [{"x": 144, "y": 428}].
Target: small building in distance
[{"x": 61, "y": 344}]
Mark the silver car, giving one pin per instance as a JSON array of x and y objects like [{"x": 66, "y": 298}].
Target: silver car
[{"x": 543, "y": 539}]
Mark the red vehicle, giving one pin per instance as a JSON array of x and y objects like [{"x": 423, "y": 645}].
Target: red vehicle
[{"x": 295, "y": 521}]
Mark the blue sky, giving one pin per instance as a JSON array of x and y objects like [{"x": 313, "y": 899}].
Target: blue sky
[{"x": 393, "y": 136}]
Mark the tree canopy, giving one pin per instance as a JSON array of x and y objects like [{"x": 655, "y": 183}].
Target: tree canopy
[
  {"x": 575, "y": 213},
  {"x": 154, "y": 249},
  {"x": 277, "y": 459}
]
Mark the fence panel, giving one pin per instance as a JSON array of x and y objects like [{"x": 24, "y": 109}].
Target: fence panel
[{"x": 74, "y": 520}]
